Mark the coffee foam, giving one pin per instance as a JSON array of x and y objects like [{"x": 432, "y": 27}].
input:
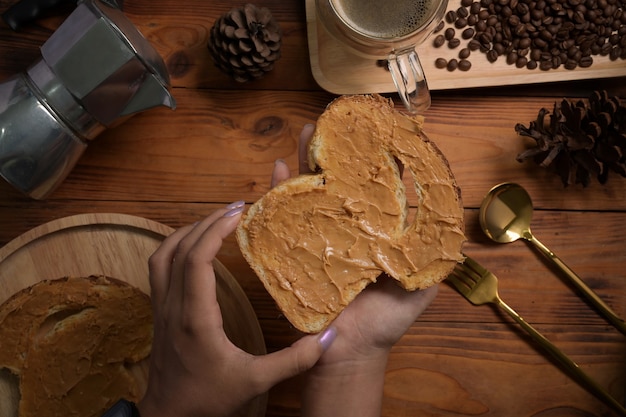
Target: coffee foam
[{"x": 384, "y": 18}]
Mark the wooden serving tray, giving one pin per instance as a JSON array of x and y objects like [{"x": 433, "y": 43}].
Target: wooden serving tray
[
  {"x": 118, "y": 246},
  {"x": 340, "y": 72}
]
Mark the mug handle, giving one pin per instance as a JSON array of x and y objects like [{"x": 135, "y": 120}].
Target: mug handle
[{"x": 409, "y": 79}]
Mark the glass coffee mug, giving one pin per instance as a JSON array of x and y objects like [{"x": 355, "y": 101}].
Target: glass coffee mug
[{"x": 389, "y": 30}]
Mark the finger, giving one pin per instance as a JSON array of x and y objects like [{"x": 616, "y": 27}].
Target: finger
[
  {"x": 181, "y": 256},
  {"x": 427, "y": 296},
  {"x": 303, "y": 157},
  {"x": 280, "y": 173},
  {"x": 270, "y": 369},
  {"x": 417, "y": 300},
  {"x": 160, "y": 265},
  {"x": 199, "y": 283}
]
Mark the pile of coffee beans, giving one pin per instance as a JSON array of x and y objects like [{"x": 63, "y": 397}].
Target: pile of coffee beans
[{"x": 544, "y": 34}]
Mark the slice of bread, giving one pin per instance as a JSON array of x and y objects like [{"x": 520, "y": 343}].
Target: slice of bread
[
  {"x": 316, "y": 241},
  {"x": 76, "y": 345}
]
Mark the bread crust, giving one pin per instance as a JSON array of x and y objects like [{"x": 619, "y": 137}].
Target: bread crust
[{"x": 315, "y": 259}]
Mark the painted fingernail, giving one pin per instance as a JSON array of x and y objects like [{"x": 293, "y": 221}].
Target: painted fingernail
[
  {"x": 235, "y": 208},
  {"x": 236, "y": 204},
  {"x": 328, "y": 337}
]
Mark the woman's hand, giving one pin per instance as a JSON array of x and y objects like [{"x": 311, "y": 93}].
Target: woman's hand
[
  {"x": 194, "y": 369},
  {"x": 348, "y": 379}
]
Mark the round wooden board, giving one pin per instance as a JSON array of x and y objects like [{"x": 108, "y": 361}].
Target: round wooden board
[{"x": 117, "y": 246}]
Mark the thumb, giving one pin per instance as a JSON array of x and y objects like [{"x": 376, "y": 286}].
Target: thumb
[{"x": 293, "y": 360}]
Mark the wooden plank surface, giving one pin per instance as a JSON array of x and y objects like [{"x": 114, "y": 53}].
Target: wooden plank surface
[{"x": 220, "y": 144}]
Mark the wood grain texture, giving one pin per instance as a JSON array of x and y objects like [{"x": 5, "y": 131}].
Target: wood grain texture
[
  {"x": 220, "y": 147},
  {"x": 220, "y": 144}
]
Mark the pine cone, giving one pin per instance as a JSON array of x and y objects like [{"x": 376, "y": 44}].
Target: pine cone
[
  {"x": 581, "y": 139},
  {"x": 245, "y": 42}
]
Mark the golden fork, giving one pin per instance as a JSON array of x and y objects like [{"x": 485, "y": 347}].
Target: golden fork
[{"x": 480, "y": 286}]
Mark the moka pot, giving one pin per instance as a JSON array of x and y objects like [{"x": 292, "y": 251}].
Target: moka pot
[{"x": 95, "y": 71}]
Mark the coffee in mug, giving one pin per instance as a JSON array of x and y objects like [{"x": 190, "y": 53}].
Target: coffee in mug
[
  {"x": 385, "y": 20},
  {"x": 390, "y": 30}
]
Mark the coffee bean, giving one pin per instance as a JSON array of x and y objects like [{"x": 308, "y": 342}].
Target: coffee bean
[
  {"x": 460, "y": 23},
  {"x": 468, "y": 33},
  {"x": 492, "y": 56},
  {"x": 462, "y": 12},
  {"x": 535, "y": 54},
  {"x": 570, "y": 64},
  {"x": 449, "y": 34},
  {"x": 614, "y": 39},
  {"x": 452, "y": 64},
  {"x": 473, "y": 45},
  {"x": 441, "y": 63},
  {"x": 585, "y": 62},
  {"x": 511, "y": 58},
  {"x": 451, "y": 16},
  {"x": 545, "y": 35},
  {"x": 524, "y": 43},
  {"x": 454, "y": 43},
  {"x": 521, "y": 62},
  {"x": 513, "y": 21},
  {"x": 465, "y": 65},
  {"x": 507, "y": 33},
  {"x": 522, "y": 9},
  {"x": 439, "y": 27},
  {"x": 439, "y": 41},
  {"x": 531, "y": 65},
  {"x": 522, "y": 30},
  {"x": 485, "y": 38},
  {"x": 615, "y": 53},
  {"x": 464, "y": 53},
  {"x": 606, "y": 49},
  {"x": 567, "y": 44},
  {"x": 540, "y": 43},
  {"x": 545, "y": 65}
]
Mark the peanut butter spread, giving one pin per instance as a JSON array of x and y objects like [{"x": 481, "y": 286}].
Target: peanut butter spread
[
  {"x": 73, "y": 344},
  {"x": 322, "y": 238}
]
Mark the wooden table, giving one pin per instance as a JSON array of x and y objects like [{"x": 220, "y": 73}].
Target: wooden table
[{"x": 219, "y": 146}]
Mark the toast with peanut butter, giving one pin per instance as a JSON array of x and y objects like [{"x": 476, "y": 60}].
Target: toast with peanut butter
[
  {"x": 317, "y": 240},
  {"x": 75, "y": 345}
]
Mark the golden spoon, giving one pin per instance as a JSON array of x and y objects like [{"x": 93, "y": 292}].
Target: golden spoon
[{"x": 505, "y": 215}]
